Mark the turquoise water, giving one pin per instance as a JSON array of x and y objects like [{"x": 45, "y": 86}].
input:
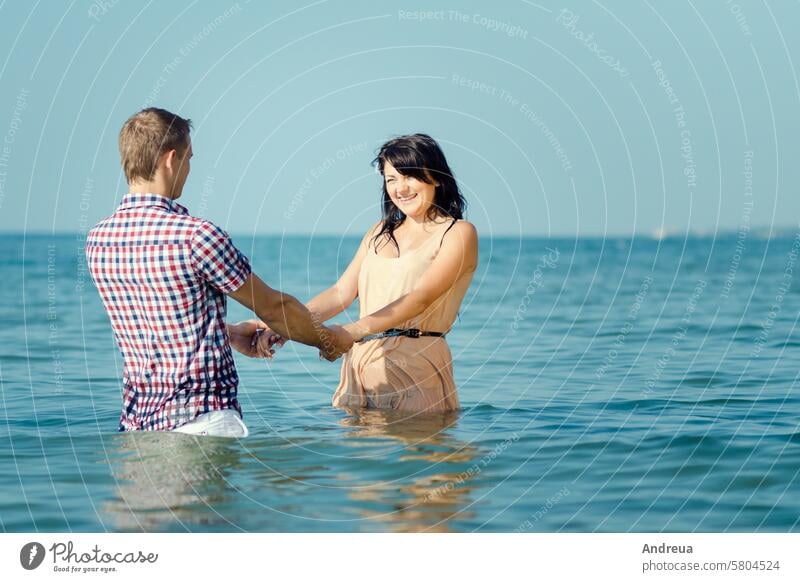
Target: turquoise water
[{"x": 607, "y": 385}]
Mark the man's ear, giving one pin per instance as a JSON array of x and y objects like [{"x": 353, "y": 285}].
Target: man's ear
[{"x": 171, "y": 160}]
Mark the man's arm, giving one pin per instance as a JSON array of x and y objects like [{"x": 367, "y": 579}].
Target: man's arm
[{"x": 287, "y": 316}]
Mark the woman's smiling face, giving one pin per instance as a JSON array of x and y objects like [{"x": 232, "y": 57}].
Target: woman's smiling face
[{"x": 411, "y": 195}]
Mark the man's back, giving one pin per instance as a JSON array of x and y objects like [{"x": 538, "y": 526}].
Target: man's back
[{"x": 163, "y": 276}]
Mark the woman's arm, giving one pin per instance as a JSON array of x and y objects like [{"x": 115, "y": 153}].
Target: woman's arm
[
  {"x": 330, "y": 302},
  {"x": 457, "y": 256},
  {"x": 341, "y": 295}
]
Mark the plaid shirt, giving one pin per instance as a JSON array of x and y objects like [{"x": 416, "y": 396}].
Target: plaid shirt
[{"x": 163, "y": 276}]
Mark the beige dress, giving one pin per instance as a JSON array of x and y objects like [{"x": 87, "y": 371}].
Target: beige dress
[{"x": 402, "y": 373}]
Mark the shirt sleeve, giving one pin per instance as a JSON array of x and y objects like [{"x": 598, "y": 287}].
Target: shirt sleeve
[{"x": 217, "y": 260}]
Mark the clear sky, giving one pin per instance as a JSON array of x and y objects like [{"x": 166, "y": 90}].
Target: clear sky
[{"x": 585, "y": 118}]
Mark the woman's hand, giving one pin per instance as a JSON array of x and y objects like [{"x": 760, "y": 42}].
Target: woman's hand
[
  {"x": 244, "y": 337},
  {"x": 267, "y": 341}
]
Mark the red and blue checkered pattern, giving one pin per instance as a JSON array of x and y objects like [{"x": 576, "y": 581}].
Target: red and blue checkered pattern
[{"x": 163, "y": 277}]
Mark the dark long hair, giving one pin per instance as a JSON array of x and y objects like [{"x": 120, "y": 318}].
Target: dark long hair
[{"x": 420, "y": 157}]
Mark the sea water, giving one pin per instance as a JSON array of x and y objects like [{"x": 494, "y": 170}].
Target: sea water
[{"x": 606, "y": 385}]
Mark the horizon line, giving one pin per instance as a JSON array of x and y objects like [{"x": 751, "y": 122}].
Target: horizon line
[{"x": 651, "y": 235}]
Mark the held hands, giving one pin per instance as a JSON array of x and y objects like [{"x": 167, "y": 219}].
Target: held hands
[
  {"x": 337, "y": 342},
  {"x": 246, "y": 336},
  {"x": 267, "y": 341}
]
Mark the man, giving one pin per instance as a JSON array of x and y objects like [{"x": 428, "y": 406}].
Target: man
[{"x": 164, "y": 275}]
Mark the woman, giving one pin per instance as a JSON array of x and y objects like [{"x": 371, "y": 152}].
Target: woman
[{"x": 410, "y": 273}]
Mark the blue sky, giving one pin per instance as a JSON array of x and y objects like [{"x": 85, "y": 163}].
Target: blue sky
[{"x": 558, "y": 119}]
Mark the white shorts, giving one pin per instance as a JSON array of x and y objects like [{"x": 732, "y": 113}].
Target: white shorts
[{"x": 221, "y": 423}]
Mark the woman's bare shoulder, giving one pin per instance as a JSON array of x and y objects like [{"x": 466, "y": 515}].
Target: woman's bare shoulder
[{"x": 464, "y": 229}]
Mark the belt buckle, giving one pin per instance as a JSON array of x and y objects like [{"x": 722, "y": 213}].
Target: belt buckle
[{"x": 413, "y": 333}]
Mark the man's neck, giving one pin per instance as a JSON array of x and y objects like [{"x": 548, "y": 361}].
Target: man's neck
[{"x": 151, "y": 187}]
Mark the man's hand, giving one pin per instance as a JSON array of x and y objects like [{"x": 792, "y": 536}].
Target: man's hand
[
  {"x": 244, "y": 338},
  {"x": 340, "y": 342}
]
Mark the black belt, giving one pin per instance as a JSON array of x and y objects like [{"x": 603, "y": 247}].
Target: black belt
[{"x": 396, "y": 332}]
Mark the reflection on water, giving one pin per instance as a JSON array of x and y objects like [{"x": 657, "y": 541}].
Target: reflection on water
[
  {"x": 397, "y": 472},
  {"x": 164, "y": 478},
  {"x": 425, "y": 499}
]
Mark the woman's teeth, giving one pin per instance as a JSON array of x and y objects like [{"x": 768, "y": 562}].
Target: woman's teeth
[{"x": 406, "y": 198}]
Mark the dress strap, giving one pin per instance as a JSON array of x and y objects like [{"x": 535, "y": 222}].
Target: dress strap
[{"x": 452, "y": 224}]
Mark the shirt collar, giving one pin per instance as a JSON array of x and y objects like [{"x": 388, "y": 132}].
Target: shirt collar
[{"x": 140, "y": 200}]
